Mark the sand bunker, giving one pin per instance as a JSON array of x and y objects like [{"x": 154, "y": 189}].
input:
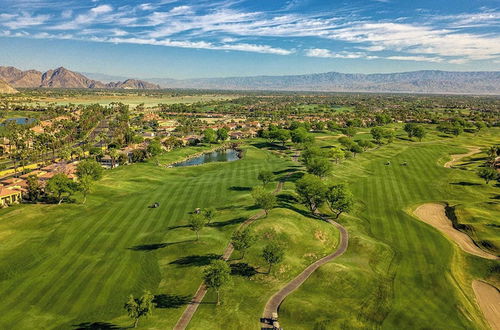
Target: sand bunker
[
  {"x": 434, "y": 215},
  {"x": 456, "y": 158},
  {"x": 488, "y": 299}
]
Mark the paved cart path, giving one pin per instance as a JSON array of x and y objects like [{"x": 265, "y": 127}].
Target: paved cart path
[
  {"x": 275, "y": 301},
  {"x": 186, "y": 317}
]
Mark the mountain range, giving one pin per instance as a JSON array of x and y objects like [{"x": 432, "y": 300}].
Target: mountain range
[
  {"x": 64, "y": 78},
  {"x": 6, "y": 88},
  {"x": 428, "y": 81}
]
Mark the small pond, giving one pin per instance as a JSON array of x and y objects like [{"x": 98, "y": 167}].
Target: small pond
[
  {"x": 20, "y": 120},
  {"x": 226, "y": 155}
]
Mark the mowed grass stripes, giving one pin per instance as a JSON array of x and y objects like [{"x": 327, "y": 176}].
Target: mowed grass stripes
[
  {"x": 398, "y": 272},
  {"x": 92, "y": 256}
]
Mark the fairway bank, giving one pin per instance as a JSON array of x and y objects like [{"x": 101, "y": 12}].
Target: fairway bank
[{"x": 434, "y": 214}]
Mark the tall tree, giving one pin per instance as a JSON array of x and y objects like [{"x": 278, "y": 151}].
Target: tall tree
[
  {"x": 34, "y": 188},
  {"x": 60, "y": 186},
  {"x": 488, "y": 174},
  {"x": 209, "y": 136},
  {"x": 264, "y": 199},
  {"x": 222, "y": 134},
  {"x": 419, "y": 132},
  {"x": 311, "y": 191},
  {"x": 378, "y": 133},
  {"x": 273, "y": 254},
  {"x": 337, "y": 154},
  {"x": 319, "y": 166},
  {"x": 265, "y": 176},
  {"x": 209, "y": 214},
  {"x": 339, "y": 199},
  {"x": 410, "y": 129},
  {"x": 139, "y": 307},
  {"x": 242, "y": 240},
  {"x": 90, "y": 168},
  {"x": 217, "y": 275},
  {"x": 196, "y": 223},
  {"x": 85, "y": 185}
]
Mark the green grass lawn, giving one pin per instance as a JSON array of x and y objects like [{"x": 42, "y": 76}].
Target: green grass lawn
[
  {"x": 63, "y": 265},
  {"x": 306, "y": 240},
  {"x": 398, "y": 272}
]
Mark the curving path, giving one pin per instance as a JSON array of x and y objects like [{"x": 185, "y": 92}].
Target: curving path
[
  {"x": 275, "y": 301},
  {"x": 457, "y": 157},
  {"x": 186, "y": 317}
]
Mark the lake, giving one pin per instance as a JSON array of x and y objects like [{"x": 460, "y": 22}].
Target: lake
[
  {"x": 226, "y": 155},
  {"x": 20, "y": 120}
]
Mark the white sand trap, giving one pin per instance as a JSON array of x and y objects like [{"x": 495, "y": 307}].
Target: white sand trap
[
  {"x": 434, "y": 215},
  {"x": 456, "y": 158},
  {"x": 488, "y": 298}
]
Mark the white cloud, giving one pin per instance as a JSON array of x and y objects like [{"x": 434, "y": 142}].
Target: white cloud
[
  {"x": 420, "y": 40},
  {"x": 145, "y": 6},
  {"x": 416, "y": 58},
  {"x": 102, "y": 9},
  {"x": 169, "y": 22},
  {"x": 318, "y": 52},
  {"x": 325, "y": 53},
  {"x": 22, "y": 20},
  {"x": 264, "y": 49}
]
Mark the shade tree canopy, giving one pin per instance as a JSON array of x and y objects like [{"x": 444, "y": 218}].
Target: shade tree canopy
[
  {"x": 339, "y": 199},
  {"x": 311, "y": 191},
  {"x": 264, "y": 199},
  {"x": 139, "y": 307},
  {"x": 273, "y": 253},
  {"x": 217, "y": 275}
]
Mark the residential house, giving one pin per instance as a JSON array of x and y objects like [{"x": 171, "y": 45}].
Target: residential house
[{"x": 9, "y": 196}]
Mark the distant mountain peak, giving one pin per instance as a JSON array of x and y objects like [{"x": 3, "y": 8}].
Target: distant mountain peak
[
  {"x": 64, "y": 78},
  {"x": 6, "y": 88}
]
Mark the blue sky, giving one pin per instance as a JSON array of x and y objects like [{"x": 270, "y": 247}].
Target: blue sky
[{"x": 185, "y": 39}]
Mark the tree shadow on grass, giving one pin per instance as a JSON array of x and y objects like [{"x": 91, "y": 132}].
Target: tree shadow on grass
[
  {"x": 288, "y": 201},
  {"x": 292, "y": 177},
  {"x": 291, "y": 169},
  {"x": 285, "y": 199},
  {"x": 228, "y": 207},
  {"x": 226, "y": 223},
  {"x": 237, "y": 188},
  {"x": 269, "y": 145},
  {"x": 252, "y": 207},
  {"x": 195, "y": 260},
  {"x": 177, "y": 227},
  {"x": 155, "y": 246},
  {"x": 464, "y": 183},
  {"x": 243, "y": 269},
  {"x": 171, "y": 300},
  {"x": 96, "y": 326}
]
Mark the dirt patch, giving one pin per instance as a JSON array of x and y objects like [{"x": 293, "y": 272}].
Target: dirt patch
[
  {"x": 457, "y": 157},
  {"x": 488, "y": 298},
  {"x": 321, "y": 236},
  {"x": 434, "y": 215}
]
